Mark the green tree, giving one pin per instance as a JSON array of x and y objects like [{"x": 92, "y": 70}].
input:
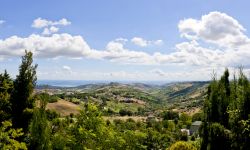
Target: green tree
[
  {"x": 219, "y": 137},
  {"x": 39, "y": 127},
  {"x": 215, "y": 111},
  {"x": 90, "y": 130},
  {"x": 181, "y": 145},
  {"x": 8, "y": 137},
  {"x": 21, "y": 98},
  {"x": 226, "y": 113},
  {"x": 6, "y": 86}
]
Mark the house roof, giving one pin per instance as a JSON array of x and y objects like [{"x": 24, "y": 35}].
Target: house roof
[{"x": 197, "y": 123}]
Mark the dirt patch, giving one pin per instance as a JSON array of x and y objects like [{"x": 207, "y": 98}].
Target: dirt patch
[
  {"x": 124, "y": 118},
  {"x": 64, "y": 108}
]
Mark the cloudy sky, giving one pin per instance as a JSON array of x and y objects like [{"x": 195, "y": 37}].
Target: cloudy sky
[{"x": 126, "y": 40}]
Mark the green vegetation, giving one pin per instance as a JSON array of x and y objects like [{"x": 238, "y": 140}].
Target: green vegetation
[
  {"x": 226, "y": 113},
  {"x": 118, "y": 116},
  {"x": 21, "y": 96},
  {"x": 8, "y": 137},
  {"x": 182, "y": 146}
]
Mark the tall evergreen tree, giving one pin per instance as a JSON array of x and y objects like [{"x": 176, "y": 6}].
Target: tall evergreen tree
[
  {"x": 227, "y": 111},
  {"x": 6, "y": 86},
  {"x": 21, "y": 98},
  {"x": 216, "y": 116}
]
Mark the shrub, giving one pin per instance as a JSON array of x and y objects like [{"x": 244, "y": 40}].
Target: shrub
[{"x": 182, "y": 146}]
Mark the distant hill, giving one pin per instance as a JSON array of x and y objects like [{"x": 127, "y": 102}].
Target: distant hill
[{"x": 181, "y": 96}]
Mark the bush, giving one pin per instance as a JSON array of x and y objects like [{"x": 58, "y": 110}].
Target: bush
[
  {"x": 170, "y": 115},
  {"x": 182, "y": 146},
  {"x": 53, "y": 99},
  {"x": 197, "y": 117},
  {"x": 51, "y": 114},
  {"x": 124, "y": 112}
]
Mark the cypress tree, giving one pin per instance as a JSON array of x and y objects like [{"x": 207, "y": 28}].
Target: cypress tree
[
  {"x": 6, "y": 86},
  {"x": 21, "y": 98}
]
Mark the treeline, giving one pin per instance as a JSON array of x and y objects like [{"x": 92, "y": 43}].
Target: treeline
[{"x": 226, "y": 123}]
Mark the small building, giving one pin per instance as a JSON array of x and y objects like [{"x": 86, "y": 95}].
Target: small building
[
  {"x": 195, "y": 127},
  {"x": 185, "y": 131}
]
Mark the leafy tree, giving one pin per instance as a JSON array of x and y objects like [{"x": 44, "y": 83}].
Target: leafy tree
[
  {"x": 170, "y": 115},
  {"x": 181, "y": 145},
  {"x": 90, "y": 130},
  {"x": 134, "y": 140},
  {"x": 197, "y": 117},
  {"x": 124, "y": 112},
  {"x": 8, "y": 137},
  {"x": 157, "y": 140},
  {"x": 186, "y": 119},
  {"x": 39, "y": 127},
  {"x": 21, "y": 98}
]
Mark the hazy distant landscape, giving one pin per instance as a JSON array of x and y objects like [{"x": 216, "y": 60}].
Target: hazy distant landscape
[{"x": 182, "y": 96}]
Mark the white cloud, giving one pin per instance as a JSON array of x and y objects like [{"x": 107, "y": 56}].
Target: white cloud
[
  {"x": 216, "y": 27},
  {"x": 2, "y": 22},
  {"x": 139, "y": 41},
  {"x": 51, "y": 30},
  {"x": 191, "y": 53},
  {"x": 49, "y": 27},
  {"x": 67, "y": 69},
  {"x": 42, "y": 23},
  {"x": 157, "y": 42},
  {"x": 144, "y": 43},
  {"x": 48, "y": 47},
  {"x": 66, "y": 45},
  {"x": 159, "y": 72},
  {"x": 121, "y": 40}
]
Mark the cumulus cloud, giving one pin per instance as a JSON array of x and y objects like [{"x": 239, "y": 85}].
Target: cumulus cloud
[
  {"x": 227, "y": 33},
  {"x": 51, "y": 30},
  {"x": 47, "y": 47},
  {"x": 49, "y": 27},
  {"x": 216, "y": 27},
  {"x": 66, "y": 45},
  {"x": 144, "y": 43},
  {"x": 42, "y": 23}
]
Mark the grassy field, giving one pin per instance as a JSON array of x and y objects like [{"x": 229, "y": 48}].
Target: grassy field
[
  {"x": 64, "y": 108},
  {"x": 124, "y": 118}
]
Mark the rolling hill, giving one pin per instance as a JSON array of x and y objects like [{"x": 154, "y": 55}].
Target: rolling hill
[{"x": 137, "y": 98}]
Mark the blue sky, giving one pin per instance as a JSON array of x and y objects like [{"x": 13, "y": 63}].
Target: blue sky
[{"x": 125, "y": 40}]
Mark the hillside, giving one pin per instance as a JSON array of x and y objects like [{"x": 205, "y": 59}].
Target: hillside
[
  {"x": 137, "y": 98},
  {"x": 64, "y": 108}
]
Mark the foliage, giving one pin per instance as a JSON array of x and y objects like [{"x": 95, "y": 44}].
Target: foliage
[
  {"x": 8, "y": 137},
  {"x": 6, "y": 86},
  {"x": 24, "y": 84},
  {"x": 124, "y": 112},
  {"x": 226, "y": 112},
  {"x": 170, "y": 115},
  {"x": 181, "y": 145},
  {"x": 39, "y": 126}
]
